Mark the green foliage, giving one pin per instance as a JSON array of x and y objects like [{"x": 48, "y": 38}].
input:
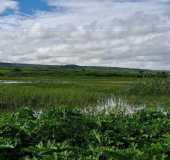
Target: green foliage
[
  {"x": 69, "y": 133},
  {"x": 157, "y": 86}
]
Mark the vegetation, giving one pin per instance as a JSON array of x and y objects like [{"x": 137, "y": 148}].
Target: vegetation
[
  {"x": 151, "y": 92},
  {"x": 44, "y": 95},
  {"x": 156, "y": 86},
  {"x": 86, "y": 113},
  {"x": 64, "y": 133},
  {"x": 84, "y": 92},
  {"x": 10, "y": 71}
]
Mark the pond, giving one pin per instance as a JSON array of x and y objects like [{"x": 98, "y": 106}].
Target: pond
[
  {"x": 35, "y": 82},
  {"x": 13, "y": 82}
]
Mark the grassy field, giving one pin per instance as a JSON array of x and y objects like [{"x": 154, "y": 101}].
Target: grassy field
[
  {"x": 84, "y": 92},
  {"x": 74, "y": 112}
]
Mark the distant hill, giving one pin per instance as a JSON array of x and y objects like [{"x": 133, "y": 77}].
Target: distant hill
[
  {"x": 2, "y": 64},
  {"x": 72, "y": 69},
  {"x": 70, "y": 66}
]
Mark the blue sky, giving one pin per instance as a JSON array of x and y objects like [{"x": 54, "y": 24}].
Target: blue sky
[
  {"x": 30, "y": 7},
  {"x": 120, "y": 33}
]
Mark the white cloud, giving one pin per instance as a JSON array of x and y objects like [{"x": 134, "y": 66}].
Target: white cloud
[
  {"x": 91, "y": 32},
  {"x": 8, "y": 4}
]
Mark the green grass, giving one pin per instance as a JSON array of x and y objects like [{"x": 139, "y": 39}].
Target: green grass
[
  {"x": 154, "y": 87},
  {"x": 84, "y": 92},
  {"x": 58, "y": 90},
  {"x": 152, "y": 92},
  {"x": 44, "y": 95}
]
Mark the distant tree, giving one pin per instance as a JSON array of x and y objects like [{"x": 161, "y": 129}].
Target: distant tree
[
  {"x": 162, "y": 74},
  {"x": 1, "y": 74},
  {"x": 17, "y": 70},
  {"x": 141, "y": 73},
  {"x": 83, "y": 69}
]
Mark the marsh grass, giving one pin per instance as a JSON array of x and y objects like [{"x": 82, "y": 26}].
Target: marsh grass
[
  {"x": 154, "y": 87},
  {"x": 42, "y": 95},
  {"x": 84, "y": 92},
  {"x": 151, "y": 92}
]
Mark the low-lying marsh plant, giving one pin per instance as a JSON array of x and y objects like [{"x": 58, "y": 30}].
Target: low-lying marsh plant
[{"x": 69, "y": 133}]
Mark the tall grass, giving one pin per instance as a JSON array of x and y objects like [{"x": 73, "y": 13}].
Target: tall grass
[
  {"x": 47, "y": 95},
  {"x": 157, "y": 86},
  {"x": 83, "y": 93},
  {"x": 151, "y": 92}
]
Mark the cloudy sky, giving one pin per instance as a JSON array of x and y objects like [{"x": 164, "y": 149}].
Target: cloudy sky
[{"x": 120, "y": 33}]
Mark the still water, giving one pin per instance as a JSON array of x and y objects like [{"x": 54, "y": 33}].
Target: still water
[{"x": 13, "y": 82}]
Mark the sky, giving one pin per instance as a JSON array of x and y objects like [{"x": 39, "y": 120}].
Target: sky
[{"x": 118, "y": 33}]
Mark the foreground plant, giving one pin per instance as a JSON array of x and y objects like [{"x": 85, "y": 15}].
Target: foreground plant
[{"x": 65, "y": 133}]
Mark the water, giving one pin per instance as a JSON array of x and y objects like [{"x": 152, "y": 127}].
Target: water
[
  {"x": 13, "y": 82},
  {"x": 35, "y": 81}
]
